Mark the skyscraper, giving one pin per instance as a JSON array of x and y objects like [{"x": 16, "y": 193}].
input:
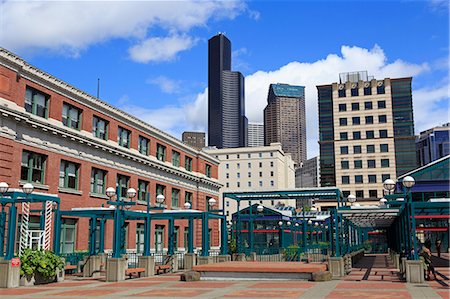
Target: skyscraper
[
  {"x": 366, "y": 130},
  {"x": 227, "y": 124},
  {"x": 433, "y": 144},
  {"x": 255, "y": 134},
  {"x": 285, "y": 121},
  {"x": 194, "y": 139}
]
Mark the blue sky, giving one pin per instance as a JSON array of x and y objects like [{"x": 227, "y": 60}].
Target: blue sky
[{"x": 151, "y": 57}]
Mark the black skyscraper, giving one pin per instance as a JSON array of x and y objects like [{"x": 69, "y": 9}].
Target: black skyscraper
[{"x": 227, "y": 124}]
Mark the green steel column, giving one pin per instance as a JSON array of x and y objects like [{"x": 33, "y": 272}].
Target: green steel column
[
  {"x": 250, "y": 229},
  {"x": 101, "y": 244},
  {"x": 336, "y": 228},
  {"x": 238, "y": 229},
  {"x": 413, "y": 230},
  {"x": 2, "y": 230},
  {"x": 92, "y": 230},
  {"x": 42, "y": 217},
  {"x": 117, "y": 233},
  {"x": 205, "y": 234},
  {"x": 11, "y": 232},
  {"x": 224, "y": 236},
  {"x": 170, "y": 247},
  {"x": 281, "y": 236},
  {"x": 191, "y": 236},
  {"x": 57, "y": 231}
]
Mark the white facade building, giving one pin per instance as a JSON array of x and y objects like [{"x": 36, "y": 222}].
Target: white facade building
[
  {"x": 264, "y": 168},
  {"x": 255, "y": 134}
]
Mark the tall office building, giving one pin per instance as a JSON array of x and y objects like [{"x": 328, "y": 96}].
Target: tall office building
[
  {"x": 255, "y": 134},
  {"x": 194, "y": 139},
  {"x": 433, "y": 144},
  {"x": 366, "y": 130},
  {"x": 308, "y": 175},
  {"x": 227, "y": 124},
  {"x": 285, "y": 121}
]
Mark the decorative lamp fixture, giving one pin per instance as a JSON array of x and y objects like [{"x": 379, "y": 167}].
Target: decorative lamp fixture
[
  {"x": 3, "y": 187},
  {"x": 383, "y": 201},
  {"x": 351, "y": 198},
  {"x": 313, "y": 209},
  {"x": 408, "y": 182},
  {"x": 296, "y": 224},
  {"x": 280, "y": 223},
  {"x": 211, "y": 202},
  {"x": 28, "y": 188},
  {"x": 259, "y": 208},
  {"x": 187, "y": 205},
  {"x": 131, "y": 193},
  {"x": 160, "y": 198},
  {"x": 389, "y": 185},
  {"x": 110, "y": 192},
  {"x": 316, "y": 224},
  {"x": 309, "y": 221},
  {"x": 288, "y": 223}
]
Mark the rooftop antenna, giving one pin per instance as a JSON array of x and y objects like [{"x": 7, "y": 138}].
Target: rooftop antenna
[{"x": 98, "y": 88}]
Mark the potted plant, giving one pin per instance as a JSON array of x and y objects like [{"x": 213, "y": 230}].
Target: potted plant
[{"x": 39, "y": 266}]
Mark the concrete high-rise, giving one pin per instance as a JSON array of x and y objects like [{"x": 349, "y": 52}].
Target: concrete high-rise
[
  {"x": 366, "y": 130},
  {"x": 227, "y": 124},
  {"x": 255, "y": 134},
  {"x": 194, "y": 139},
  {"x": 285, "y": 121}
]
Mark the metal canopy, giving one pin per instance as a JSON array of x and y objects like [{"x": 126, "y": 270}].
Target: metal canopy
[
  {"x": 320, "y": 193},
  {"x": 370, "y": 217}
]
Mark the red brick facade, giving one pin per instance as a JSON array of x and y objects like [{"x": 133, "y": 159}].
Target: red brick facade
[{"x": 14, "y": 78}]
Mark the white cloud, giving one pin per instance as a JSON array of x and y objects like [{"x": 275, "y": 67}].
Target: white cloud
[
  {"x": 430, "y": 104},
  {"x": 160, "y": 48},
  {"x": 72, "y": 26},
  {"x": 167, "y": 85}
]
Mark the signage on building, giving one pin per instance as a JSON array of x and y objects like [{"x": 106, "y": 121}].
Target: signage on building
[{"x": 15, "y": 262}]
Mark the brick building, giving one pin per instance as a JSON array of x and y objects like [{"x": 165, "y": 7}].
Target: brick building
[{"x": 68, "y": 143}]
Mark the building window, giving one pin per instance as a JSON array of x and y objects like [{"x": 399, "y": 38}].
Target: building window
[
  {"x": 260, "y": 164},
  {"x": 260, "y": 155},
  {"x": 142, "y": 190},
  {"x": 271, "y": 173},
  {"x": 358, "y": 179},
  {"x": 381, "y": 104},
  {"x": 160, "y": 190},
  {"x": 370, "y": 134},
  {"x": 238, "y": 184},
  {"x": 260, "y": 174},
  {"x": 385, "y": 177},
  {"x": 373, "y": 194},
  {"x": 271, "y": 163},
  {"x": 227, "y": 157},
  {"x": 238, "y": 175},
  {"x": 249, "y": 155},
  {"x": 271, "y": 154},
  {"x": 343, "y": 121},
  {"x": 357, "y": 135},
  {"x": 188, "y": 163},
  {"x": 36, "y": 102},
  {"x": 382, "y": 119},
  {"x": 384, "y": 148},
  {"x": 354, "y": 92},
  {"x": 344, "y": 136},
  {"x": 357, "y": 149},
  {"x": 123, "y": 137},
  {"x": 260, "y": 183},
  {"x": 228, "y": 185},
  {"x": 369, "y": 120},
  {"x": 208, "y": 170},
  {"x": 249, "y": 165},
  {"x": 143, "y": 145},
  {"x": 357, "y": 164},
  {"x": 368, "y": 105},
  {"x": 341, "y": 93},
  {"x": 342, "y": 107},
  {"x": 68, "y": 235},
  {"x": 370, "y": 148},
  {"x": 359, "y": 193},
  {"x": 249, "y": 184},
  {"x": 345, "y": 194},
  {"x": 368, "y": 91},
  {"x": 356, "y": 120},
  {"x": 384, "y": 162},
  {"x": 68, "y": 175},
  {"x": 383, "y": 134},
  {"x": 159, "y": 238},
  {"x": 100, "y": 128},
  {"x": 71, "y": 116},
  {"x": 238, "y": 156},
  {"x": 249, "y": 174},
  {"x": 344, "y": 150},
  {"x": 33, "y": 167},
  {"x": 176, "y": 158},
  {"x": 140, "y": 233},
  {"x": 123, "y": 182},
  {"x": 160, "y": 152},
  {"x": 380, "y": 89},
  {"x": 98, "y": 181},
  {"x": 371, "y": 163},
  {"x": 227, "y": 175},
  {"x": 227, "y": 166},
  {"x": 355, "y": 106},
  {"x": 345, "y": 165},
  {"x": 272, "y": 183},
  {"x": 372, "y": 178},
  {"x": 175, "y": 197},
  {"x": 238, "y": 165},
  {"x": 345, "y": 179}
]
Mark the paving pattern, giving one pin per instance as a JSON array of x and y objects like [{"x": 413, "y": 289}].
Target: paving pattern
[{"x": 372, "y": 278}]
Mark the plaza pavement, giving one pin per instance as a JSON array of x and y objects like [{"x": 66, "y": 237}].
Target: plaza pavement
[{"x": 372, "y": 278}]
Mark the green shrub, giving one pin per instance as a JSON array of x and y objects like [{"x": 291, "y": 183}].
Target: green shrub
[{"x": 43, "y": 262}]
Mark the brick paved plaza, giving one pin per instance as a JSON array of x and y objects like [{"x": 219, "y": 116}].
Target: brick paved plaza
[{"x": 372, "y": 277}]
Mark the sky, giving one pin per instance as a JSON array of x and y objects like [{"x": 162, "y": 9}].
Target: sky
[{"x": 151, "y": 56}]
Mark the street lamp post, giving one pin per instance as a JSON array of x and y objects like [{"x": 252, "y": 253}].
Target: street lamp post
[
  {"x": 351, "y": 199},
  {"x": 3, "y": 189}
]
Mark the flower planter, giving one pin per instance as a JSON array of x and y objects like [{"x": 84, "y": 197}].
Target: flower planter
[{"x": 27, "y": 280}]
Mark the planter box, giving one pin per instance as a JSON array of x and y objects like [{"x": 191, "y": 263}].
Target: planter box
[
  {"x": 27, "y": 280},
  {"x": 37, "y": 278}
]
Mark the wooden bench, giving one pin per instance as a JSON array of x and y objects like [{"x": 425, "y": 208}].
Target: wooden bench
[
  {"x": 70, "y": 268},
  {"x": 162, "y": 268},
  {"x": 131, "y": 271}
]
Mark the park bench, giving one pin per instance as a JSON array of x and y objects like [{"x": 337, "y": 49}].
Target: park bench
[
  {"x": 162, "y": 268},
  {"x": 70, "y": 268},
  {"x": 131, "y": 271}
]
